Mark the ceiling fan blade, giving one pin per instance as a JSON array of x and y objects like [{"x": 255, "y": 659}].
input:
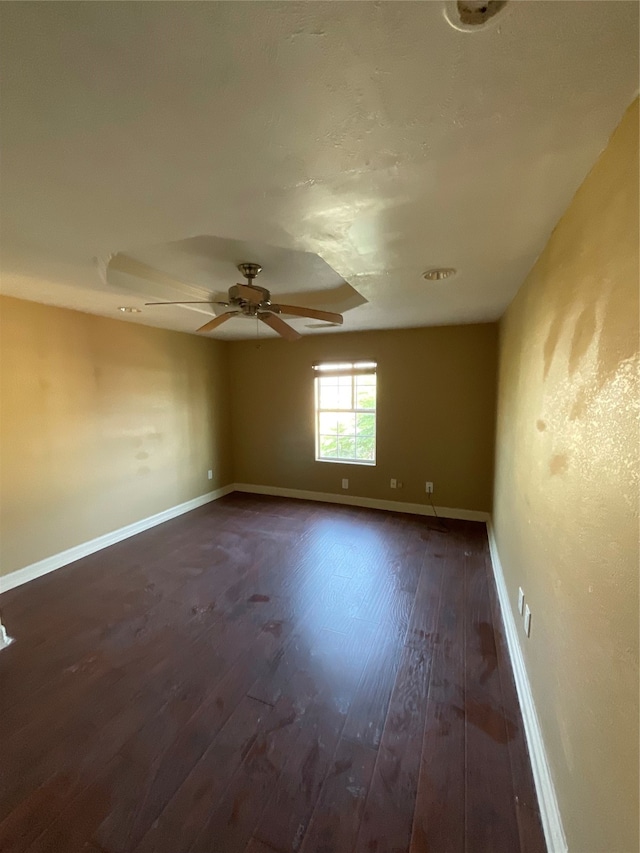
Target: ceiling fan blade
[
  {"x": 250, "y": 294},
  {"x": 283, "y": 329},
  {"x": 314, "y": 313},
  {"x": 189, "y": 302},
  {"x": 217, "y": 321}
]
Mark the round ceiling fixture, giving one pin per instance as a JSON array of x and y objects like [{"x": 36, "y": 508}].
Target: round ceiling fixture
[
  {"x": 470, "y": 16},
  {"x": 127, "y": 309},
  {"x": 439, "y": 273}
]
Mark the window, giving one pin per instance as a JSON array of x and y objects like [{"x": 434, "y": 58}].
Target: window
[{"x": 346, "y": 412}]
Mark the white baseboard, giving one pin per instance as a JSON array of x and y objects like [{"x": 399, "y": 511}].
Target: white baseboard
[
  {"x": 368, "y": 503},
  {"x": 549, "y": 810},
  {"x": 56, "y": 561}
]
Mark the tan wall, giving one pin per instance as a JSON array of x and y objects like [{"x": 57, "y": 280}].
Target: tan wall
[
  {"x": 566, "y": 495},
  {"x": 102, "y": 423},
  {"x": 436, "y": 411}
]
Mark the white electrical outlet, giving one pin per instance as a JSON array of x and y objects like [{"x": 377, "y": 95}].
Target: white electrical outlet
[
  {"x": 345, "y": 483},
  {"x": 527, "y": 620},
  {"x": 394, "y": 483},
  {"x": 428, "y": 488},
  {"x": 210, "y": 474},
  {"x": 520, "y": 600}
]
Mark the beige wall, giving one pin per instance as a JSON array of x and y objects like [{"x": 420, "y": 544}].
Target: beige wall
[
  {"x": 436, "y": 410},
  {"x": 102, "y": 423},
  {"x": 566, "y": 495}
]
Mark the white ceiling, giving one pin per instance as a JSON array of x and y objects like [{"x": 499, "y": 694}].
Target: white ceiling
[{"x": 371, "y": 134}]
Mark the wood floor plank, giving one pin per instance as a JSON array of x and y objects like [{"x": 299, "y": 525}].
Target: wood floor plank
[
  {"x": 336, "y": 672},
  {"x": 421, "y": 631},
  {"x": 135, "y": 617},
  {"x": 182, "y": 819},
  {"x": 338, "y": 812},
  {"x": 32, "y": 816},
  {"x": 231, "y": 823},
  {"x": 368, "y": 711},
  {"x": 388, "y": 814},
  {"x": 86, "y": 749},
  {"x": 439, "y": 820},
  {"x": 100, "y": 680},
  {"x": 164, "y": 752},
  {"x": 256, "y": 846},
  {"x": 265, "y": 675},
  {"x": 73, "y": 825}
]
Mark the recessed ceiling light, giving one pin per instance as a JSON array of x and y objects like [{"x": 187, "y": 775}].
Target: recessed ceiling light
[
  {"x": 438, "y": 273},
  {"x": 470, "y": 16},
  {"x": 126, "y": 309}
]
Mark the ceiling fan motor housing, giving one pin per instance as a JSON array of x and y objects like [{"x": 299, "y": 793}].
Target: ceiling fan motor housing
[{"x": 235, "y": 294}]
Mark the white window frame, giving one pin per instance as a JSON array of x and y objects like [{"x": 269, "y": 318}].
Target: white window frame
[{"x": 351, "y": 369}]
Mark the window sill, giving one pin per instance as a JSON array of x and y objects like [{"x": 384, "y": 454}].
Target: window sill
[{"x": 368, "y": 462}]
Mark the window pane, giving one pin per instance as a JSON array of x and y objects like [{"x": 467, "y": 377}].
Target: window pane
[
  {"x": 365, "y": 424},
  {"x": 328, "y": 423},
  {"x": 365, "y": 447},
  {"x": 366, "y": 397},
  {"x": 329, "y": 396},
  {"x": 327, "y": 382},
  {"x": 337, "y": 423},
  {"x": 366, "y": 379},
  {"x": 346, "y": 423},
  {"x": 328, "y": 446},
  {"x": 346, "y": 447},
  {"x": 345, "y": 399},
  {"x": 336, "y": 396}
]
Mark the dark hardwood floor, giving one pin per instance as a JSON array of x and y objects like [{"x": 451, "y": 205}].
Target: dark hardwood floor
[{"x": 266, "y": 675}]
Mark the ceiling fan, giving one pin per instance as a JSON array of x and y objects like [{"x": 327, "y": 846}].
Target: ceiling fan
[{"x": 250, "y": 300}]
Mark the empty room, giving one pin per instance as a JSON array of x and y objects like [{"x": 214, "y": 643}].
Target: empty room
[{"x": 319, "y": 457}]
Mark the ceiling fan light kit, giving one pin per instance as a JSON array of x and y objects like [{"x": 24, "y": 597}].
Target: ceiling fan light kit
[{"x": 251, "y": 300}]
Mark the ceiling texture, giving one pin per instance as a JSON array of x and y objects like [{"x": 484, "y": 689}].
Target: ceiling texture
[{"x": 345, "y": 146}]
